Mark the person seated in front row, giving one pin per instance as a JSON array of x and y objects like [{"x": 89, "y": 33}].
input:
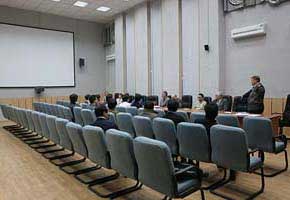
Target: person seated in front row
[
  {"x": 92, "y": 100},
  {"x": 112, "y": 103},
  {"x": 223, "y": 103},
  {"x": 73, "y": 103},
  {"x": 103, "y": 120},
  {"x": 137, "y": 102},
  {"x": 125, "y": 102},
  {"x": 149, "y": 110},
  {"x": 211, "y": 112},
  {"x": 87, "y": 99},
  {"x": 171, "y": 113},
  {"x": 200, "y": 102},
  {"x": 164, "y": 99}
]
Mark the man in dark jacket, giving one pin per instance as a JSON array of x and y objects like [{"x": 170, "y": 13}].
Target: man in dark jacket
[
  {"x": 171, "y": 113},
  {"x": 103, "y": 120},
  {"x": 256, "y": 96}
]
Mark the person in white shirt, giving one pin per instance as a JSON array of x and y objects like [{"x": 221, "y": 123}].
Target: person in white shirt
[
  {"x": 200, "y": 102},
  {"x": 119, "y": 99},
  {"x": 125, "y": 102}
]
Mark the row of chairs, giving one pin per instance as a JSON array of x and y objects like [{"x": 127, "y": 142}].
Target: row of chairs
[
  {"x": 63, "y": 103},
  {"x": 54, "y": 109},
  {"x": 115, "y": 150}
]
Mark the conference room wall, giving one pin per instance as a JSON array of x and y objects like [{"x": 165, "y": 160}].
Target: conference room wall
[
  {"x": 265, "y": 56},
  {"x": 88, "y": 45}
]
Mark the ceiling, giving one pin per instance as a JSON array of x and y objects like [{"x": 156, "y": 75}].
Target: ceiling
[{"x": 66, "y": 8}]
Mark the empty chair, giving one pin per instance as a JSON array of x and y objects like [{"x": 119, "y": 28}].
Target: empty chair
[
  {"x": 88, "y": 116},
  {"x": 143, "y": 126},
  {"x": 165, "y": 131},
  {"x": 184, "y": 115},
  {"x": 78, "y": 115},
  {"x": 260, "y": 136},
  {"x": 232, "y": 142},
  {"x": 196, "y": 115},
  {"x": 163, "y": 177},
  {"x": 125, "y": 123},
  {"x": 186, "y": 101},
  {"x": 60, "y": 111},
  {"x": 120, "y": 109},
  {"x": 132, "y": 110},
  {"x": 67, "y": 113},
  {"x": 120, "y": 146},
  {"x": 228, "y": 120}
]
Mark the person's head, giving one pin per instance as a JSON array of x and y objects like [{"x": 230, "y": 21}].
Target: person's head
[
  {"x": 255, "y": 80},
  {"x": 172, "y": 105},
  {"x": 98, "y": 97},
  {"x": 112, "y": 103},
  {"x": 87, "y": 97},
  {"x": 131, "y": 99},
  {"x": 219, "y": 96},
  {"x": 73, "y": 98},
  {"x": 92, "y": 99},
  {"x": 120, "y": 96},
  {"x": 138, "y": 97},
  {"x": 175, "y": 97},
  {"x": 211, "y": 111},
  {"x": 108, "y": 97},
  {"x": 200, "y": 97},
  {"x": 125, "y": 98},
  {"x": 164, "y": 94},
  {"x": 149, "y": 105},
  {"x": 102, "y": 111}
]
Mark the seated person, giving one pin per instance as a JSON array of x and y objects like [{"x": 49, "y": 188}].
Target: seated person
[
  {"x": 200, "y": 102},
  {"x": 164, "y": 99},
  {"x": 211, "y": 112},
  {"x": 175, "y": 97},
  {"x": 171, "y": 113},
  {"x": 92, "y": 100},
  {"x": 149, "y": 110},
  {"x": 87, "y": 99},
  {"x": 112, "y": 103},
  {"x": 223, "y": 103},
  {"x": 98, "y": 100},
  {"x": 137, "y": 102},
  {"x": 73, "y": 102},
  {"x": 103, "y": 120},
  {"x": 125, "y": 102},
  {"x": 119, "y": 99}
]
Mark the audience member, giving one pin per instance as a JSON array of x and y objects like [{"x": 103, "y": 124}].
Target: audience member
[
  {"x": 87, "y": 99},
  {"x": 92, "y": 100},
  {"x": 73, "y": 102},
  {"x": 119, "y": 99},
  {"x": 211, "y": 112},
  {"x": 112, "y": 103},
  {"x": 103, "y": 120},
  {"x": 125, "y": 102},
  {"x": 172, "y": 106},
  {"x": 149, "y": 110},
  {"x": 164, "y": 99},
  {"x": 200, "y": 102},
  {"x": 137, "y": 102},
  {"x": 222, "y": 103}
]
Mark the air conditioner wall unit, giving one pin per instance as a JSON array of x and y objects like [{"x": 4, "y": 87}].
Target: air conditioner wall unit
[{"x": 249, "y": 31}]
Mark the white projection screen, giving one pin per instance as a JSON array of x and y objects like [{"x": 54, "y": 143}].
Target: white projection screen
[{"x": 32, "y": 57}]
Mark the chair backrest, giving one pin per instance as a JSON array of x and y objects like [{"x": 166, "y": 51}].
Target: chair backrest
[
  {"x": 97, "y": 147},
  {"x": 43, "y": 124},
  {"x": 132, "y": 110},
  {"x": 112, "y": 117},
  {"x": 29, "y": 119},
  {"x": 87, "y": 116},
  {"x": 120, "y": 145},
  {"x": 193, "y": 142},
  {"x": 286, "y": 113},
  {"x": 228, "y": 120},
  {"x": 230, "y": 102},
  {"x": 154, "y": 99},
  {"x": 76, "y": 135},
  {"x": 125, "y": 123},
  {"x": 24, "y": 118},
  {"x": 53, "y": 110},
  {"x": 259, "y": 132},
  {"x": 36, "y": 122},
  {"x": 208, "y": 99},
  {"x": 85, "y": 106},
  {"x": 229, "y": 147},
  {"x": 196, "y": 115},
  {"x": 120, "y": 109},
  {"x": 186, "y": 101},
  {"x": 184, "y": 115},
  {"x": 67, "y": 113},
  {"x": 165, "y": 131},
  {"x": 50, "y": 120},
  {"x": 143, "y": 126},
  {"x": 150, "y": 152},
  {"x": 60, "y": 111},
  {"x": 64, "y": 138},
  {"x": 78, "y": 115}
]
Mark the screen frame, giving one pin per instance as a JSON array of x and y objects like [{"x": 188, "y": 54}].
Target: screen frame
[{"x": 48, "y": 29}]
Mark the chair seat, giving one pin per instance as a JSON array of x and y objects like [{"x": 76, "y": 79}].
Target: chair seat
[
  {"x": 279, "y": 147},
  {"x": 187, "y": 183},
  {"x": 255, "y": 163}
]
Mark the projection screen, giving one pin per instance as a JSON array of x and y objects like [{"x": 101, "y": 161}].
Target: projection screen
[{"x": 32, "y": 57}]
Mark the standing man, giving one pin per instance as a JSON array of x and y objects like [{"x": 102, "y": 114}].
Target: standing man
[{"x": 256, "y": 96}]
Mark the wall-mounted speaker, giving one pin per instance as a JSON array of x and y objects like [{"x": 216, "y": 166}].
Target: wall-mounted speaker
[
  {"x": 82, "y": 62},
  {"x": 206, "y": 47},
  {"x": 39, "y": 90}
]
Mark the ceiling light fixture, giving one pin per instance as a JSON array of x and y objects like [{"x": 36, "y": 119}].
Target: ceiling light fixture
[
  {"x": 80, "y": 4},
  {"x": 103, "y": 9}
]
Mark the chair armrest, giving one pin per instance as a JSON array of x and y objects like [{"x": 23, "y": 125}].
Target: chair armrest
[
  {"x": 282, "y": 138},
  {"x": 261, "y": 153},
  {"x": 190, "y": 168}
]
